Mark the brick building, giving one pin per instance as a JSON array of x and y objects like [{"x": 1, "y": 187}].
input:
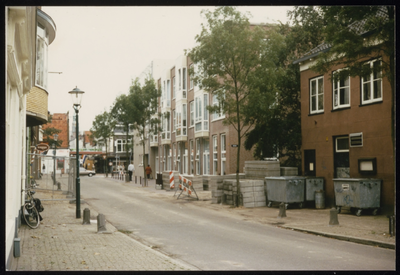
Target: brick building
[{"x": 60, "y": 121}]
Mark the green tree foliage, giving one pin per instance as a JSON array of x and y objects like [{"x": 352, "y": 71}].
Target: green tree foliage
[
  {"x": 102, "y": 127},
  {"x": 231, "y": 63},
  {"x": 144, "y": 99},
  {"x": 278, "y": 127}
]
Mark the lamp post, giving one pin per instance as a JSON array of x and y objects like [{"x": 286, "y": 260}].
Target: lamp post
[
  {"x": 55, "y": 137},
  {"x": 76, "y": 95}
]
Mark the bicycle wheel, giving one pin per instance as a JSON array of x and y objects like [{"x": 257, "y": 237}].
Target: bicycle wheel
[{"x": 31, "y": 215}]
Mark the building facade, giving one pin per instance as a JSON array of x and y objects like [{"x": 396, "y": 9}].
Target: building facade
[
  {"x": 29, "y": 32},
  {"x": 193, "y": 141},
  {"x": 347, "y": 128}
]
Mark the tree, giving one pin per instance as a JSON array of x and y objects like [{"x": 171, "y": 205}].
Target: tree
[
  {"x": 102, "y": 127},
  {"x": 352, "y": 35},
  {"x": 124, "y": 113},
  {"x": 278, "y": 127},
  {"x": 145, "y": 101},
  {"x": 231, "y": 62}
]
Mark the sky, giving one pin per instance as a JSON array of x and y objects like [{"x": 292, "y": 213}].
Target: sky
[{"x": 101, "y": 50}]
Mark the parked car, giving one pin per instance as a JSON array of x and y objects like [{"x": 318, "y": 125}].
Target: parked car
[{"x": 83, "y": 172}]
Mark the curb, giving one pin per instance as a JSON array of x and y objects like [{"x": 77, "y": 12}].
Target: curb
[{"x": 344, "y": 238}]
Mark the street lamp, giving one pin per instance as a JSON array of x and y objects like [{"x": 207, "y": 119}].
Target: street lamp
[
  {"x": 55, "y": 137},
  {"x": 104, "y": 163},
  {"x": 76, "y": 95}
]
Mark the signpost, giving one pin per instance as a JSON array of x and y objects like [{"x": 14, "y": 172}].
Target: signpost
[{"x": 234, "y": 145}]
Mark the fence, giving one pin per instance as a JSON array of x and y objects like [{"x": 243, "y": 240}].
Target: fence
[{"x": 52, "y": 173}]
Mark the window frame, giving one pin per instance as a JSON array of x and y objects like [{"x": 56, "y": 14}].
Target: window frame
[
  {"x": 317, "y": 94},
  {"x": 371, "y": 82},
  {"x": 338, "y": 89}
]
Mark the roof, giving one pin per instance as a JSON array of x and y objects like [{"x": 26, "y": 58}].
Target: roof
[{"x": 357, "y": 27}]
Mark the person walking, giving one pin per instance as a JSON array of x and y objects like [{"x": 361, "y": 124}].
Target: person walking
[
  {"x": 148, "y": 171},
  {"x": 131, "y": 168}
]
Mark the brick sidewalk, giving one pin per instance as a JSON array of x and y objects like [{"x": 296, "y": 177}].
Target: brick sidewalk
[{"x": 62, "y": 243}]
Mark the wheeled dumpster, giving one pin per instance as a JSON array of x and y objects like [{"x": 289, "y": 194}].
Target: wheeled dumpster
[
  {"x": 358, "y": 194},
  {"x": 289, "y": 190}
]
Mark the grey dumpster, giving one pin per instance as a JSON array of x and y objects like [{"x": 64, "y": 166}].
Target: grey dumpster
[
  {"x": 313, "y": 184},
  {"x": 285, "y": 189},
  {"x": 358, "y": 194}
]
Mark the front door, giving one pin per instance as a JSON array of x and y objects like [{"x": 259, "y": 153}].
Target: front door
[{"x": 341, "y": 157}]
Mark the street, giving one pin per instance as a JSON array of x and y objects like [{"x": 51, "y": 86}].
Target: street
[{"x": 218, "y": 240}]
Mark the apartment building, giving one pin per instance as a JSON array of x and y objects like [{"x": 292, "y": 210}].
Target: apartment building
[
  {"x": 193, "y": 141},
  {"x": 347, "y": 127},
  {"x": 29, "y": 32}
]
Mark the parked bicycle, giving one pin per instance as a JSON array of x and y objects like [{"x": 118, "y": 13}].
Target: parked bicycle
[{"x": 31, "y": 210}]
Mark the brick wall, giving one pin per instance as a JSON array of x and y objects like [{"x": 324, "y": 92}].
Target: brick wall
[{"x": 60, "y": 122}]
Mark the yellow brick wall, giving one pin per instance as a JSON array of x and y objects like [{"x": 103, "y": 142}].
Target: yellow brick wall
[{"x": 37, "y": 102}]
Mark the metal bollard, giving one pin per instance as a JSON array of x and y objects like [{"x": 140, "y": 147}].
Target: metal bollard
[
  {"x": 101, "y": 223},
  {"x": 282, "y": 210},
  {"x": 58, "y": 185},
  {"x": 333, "y": 217},
  {"x": 86, "y": 216},
  {"x": 140, "y": 180},
  {"x": 392, "y": 225}
]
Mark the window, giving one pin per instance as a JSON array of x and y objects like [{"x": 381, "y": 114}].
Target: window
[
  {"x": 356, "y": 140},
  {"x": 120, "y": 145},
  {"x": 342, "y": 144},
  {"x": 206, "y": 157},
  {"x": 168, "y": 93},
  {"x": 191, "y": 78},
  {"x": 192, "y": 113},
  {"x": 180, "y": 79},
  {"x": 198, "y": 156},
  {"x": 223, "y": 153},
  {"x": 372, "y": 83},
  {"x": 184, "y": 79},
  {"x": 185, "y": 159},
  {"x": 215, "y": 102},
  {"x": 174, "y": 120},
  {"x": 317, "y": 95},
  {"x": 42, "y": 41},
  {"x": 198, "y": 116},
  {"x": 341, "y": 93},
  {"x": 173, "y": 87},
  {"x": 215, "y": 155}
]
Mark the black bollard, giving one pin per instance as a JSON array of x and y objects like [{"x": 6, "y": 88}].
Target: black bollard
[
  {"x": 282, "y": 210},
  {"x": 86, "y": 216},
  {"x": 333, "y": 217},
  {"x": 58, "y": 185},
  {"x": 101, "y": 223},
  {"x": 392, "y": 225}
]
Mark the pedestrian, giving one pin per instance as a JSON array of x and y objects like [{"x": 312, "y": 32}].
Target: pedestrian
[
  {"x": 44, "y": 168},
  {"x": 131, "y": 168},
  {"x": 148, "y": 171}
]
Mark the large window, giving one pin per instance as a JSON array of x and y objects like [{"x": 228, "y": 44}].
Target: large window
[
  {"x": 317, "y": 95},
  {"x": 41, "y": 57},
  {"x": 220, "y": 113},
  {"x": 192, "y": 113},
  {"x": 184, "y": 82},
  {"x": 341, "y": 93},
  {"x": 173, "y": 87},
  {"x": 168, "y": 93},
  {"x": 223, "y": 154},
  {"x": 215, "y": 154},
  {"x": 198, "y": 156},
  {"x": 191, "y": 157},
  {"x": 120, "y": 145},
  {"x": 201, "y": 113},
  {"x": 206, "y": 157},
  {"x": 181, "y": 120},
  {"x": 372, "y": 83}
]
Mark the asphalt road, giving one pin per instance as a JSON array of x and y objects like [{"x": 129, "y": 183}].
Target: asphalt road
[{"x": 217, "y": 240}]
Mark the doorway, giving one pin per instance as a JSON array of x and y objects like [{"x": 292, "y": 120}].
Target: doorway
[{"x": 341, "y": 157}]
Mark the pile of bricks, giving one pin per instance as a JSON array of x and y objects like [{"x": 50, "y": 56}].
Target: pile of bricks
[{"x": 252, "y": 192}]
